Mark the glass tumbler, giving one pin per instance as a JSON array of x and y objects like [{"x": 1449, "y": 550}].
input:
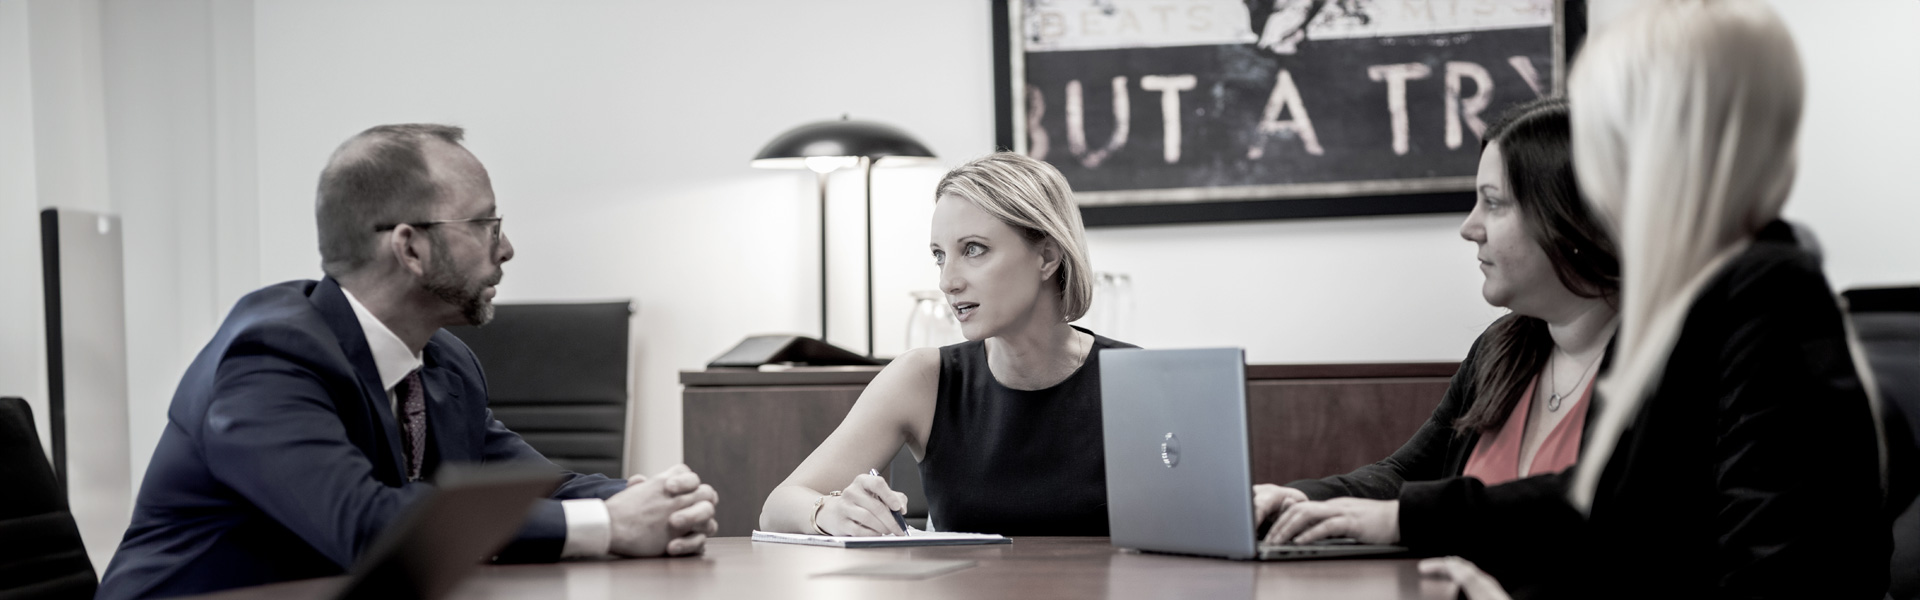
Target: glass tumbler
[{"x": 931, "y": 323}]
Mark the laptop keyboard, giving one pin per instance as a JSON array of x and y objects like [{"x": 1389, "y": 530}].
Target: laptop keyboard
[{"x": 1326, "y": 546}]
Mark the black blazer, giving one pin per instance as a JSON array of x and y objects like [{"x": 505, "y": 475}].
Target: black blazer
[
  {"x": 1750, "y": 471},
  {"x": 281, "y": 457},
  {"x": 1436, "y": 451}
]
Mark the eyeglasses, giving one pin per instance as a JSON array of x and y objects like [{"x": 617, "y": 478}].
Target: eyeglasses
[{"x": 494, "y": 223}]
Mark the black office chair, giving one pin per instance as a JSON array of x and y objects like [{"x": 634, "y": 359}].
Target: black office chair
[
  {"x": 1886, "y": 324},
  {"x": 557, "y": 375},
  {"x": 41, "y": 555}
]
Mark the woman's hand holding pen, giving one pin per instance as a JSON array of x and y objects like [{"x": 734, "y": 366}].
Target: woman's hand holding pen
[{"x": 865, "y": 507}]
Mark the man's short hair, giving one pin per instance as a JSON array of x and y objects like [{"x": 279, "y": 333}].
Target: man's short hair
[{"x": 379, "y": 177}]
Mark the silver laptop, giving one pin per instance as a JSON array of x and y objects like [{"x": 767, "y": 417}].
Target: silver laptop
[{"x": 1178, "y": 473}]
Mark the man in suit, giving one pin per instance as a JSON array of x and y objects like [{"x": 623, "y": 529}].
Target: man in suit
[{"x": 322, "y": 409}]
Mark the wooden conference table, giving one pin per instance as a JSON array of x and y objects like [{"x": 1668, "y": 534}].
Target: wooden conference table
[{"x": 1063, "y": 568}]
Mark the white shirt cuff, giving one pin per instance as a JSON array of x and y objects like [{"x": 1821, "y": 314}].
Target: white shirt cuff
[{"x": 589, "y": 528}]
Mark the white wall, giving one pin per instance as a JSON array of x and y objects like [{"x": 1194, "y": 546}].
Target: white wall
[
  {"x": 180, "y": 132},
  {"x": 1860, "y": 142},
  {"x": 111, "y": 106},
  {"x": 52, "y": 153},
  {"x": 64, "y": 95},
  {"x": 70, "y": 136},
  {"x": 23, "y": 349},
  {"x": 1857, "y": 147},
  {"x": 617, "y": 134},
  {"x": 156, "y": 99},
  {"x": 1337, "y": 290}
]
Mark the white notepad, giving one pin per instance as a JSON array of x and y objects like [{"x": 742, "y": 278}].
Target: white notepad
[{"x": 914, "y": 537}]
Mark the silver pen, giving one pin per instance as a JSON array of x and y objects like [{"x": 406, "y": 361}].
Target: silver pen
[{"x": 899, "y": 518}]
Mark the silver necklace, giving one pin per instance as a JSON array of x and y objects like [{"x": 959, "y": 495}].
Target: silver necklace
[{"x": 1553, "y": 400}]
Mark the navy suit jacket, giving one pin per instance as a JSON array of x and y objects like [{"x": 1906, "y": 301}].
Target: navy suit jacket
[{"x": 281, "y": 458}]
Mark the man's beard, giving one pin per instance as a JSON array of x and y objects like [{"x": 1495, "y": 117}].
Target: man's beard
[{"x": 447, "y": 284}]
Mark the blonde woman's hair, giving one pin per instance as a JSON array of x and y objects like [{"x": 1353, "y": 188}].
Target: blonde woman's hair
[
  {"x": 1686, "y": 114},
  {"x": 1032, "y": 197}
]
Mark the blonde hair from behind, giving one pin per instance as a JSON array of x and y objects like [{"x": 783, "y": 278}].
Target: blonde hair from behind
[
  {"x": 1685, "y": 116},
  {"x": 1031, "y": 196}
]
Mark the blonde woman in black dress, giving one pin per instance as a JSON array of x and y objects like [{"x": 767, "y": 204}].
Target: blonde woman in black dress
[{"x": 1006, "y": 426}]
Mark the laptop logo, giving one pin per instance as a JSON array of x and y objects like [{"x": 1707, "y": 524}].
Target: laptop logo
[{"x": 1170, "y": 450}]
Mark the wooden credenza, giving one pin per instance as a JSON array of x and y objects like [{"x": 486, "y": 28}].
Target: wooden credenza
[{"x": 746, "y": 430}]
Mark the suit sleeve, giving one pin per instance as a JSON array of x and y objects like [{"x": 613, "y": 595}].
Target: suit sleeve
[
  {"x": 544, "y": 536},
  {"x": 1423, "y": 457},
  {"x": 271, "y": 433}
]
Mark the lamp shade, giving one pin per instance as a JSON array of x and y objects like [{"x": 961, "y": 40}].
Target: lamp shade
[{"x": 843, "y": 138}]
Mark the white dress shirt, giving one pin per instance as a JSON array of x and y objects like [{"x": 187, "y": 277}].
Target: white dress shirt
[{"x": 589, "y": 526}]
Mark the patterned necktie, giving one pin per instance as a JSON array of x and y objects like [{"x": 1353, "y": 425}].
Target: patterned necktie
[{"x": 413, "y": 425}]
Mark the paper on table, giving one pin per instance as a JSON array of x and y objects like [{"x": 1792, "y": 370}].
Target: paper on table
[{"x": 914, "y": 537}]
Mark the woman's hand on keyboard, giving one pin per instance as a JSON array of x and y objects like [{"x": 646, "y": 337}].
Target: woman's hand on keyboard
[
  {"x": 1370, "y": 521},
  {"x": 1269, "y": 502}
]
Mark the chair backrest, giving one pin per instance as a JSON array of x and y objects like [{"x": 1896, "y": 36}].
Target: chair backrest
[
  {"x": 1886, "y": 325},
  {"x": 41, "y": 555},
  {"x": 557, "y": 375}
]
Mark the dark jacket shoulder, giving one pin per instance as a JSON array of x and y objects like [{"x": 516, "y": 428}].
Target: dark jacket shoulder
[{"x": 1775, "y": 262}]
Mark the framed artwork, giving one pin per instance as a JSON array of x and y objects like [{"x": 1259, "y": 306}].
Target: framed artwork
[{"x": 1174, "y": 111}]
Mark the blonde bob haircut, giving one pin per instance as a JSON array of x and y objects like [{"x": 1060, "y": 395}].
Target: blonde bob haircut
[
  {"x": 1685, "y": 118},
  {"x": 1032, "y": 197}
]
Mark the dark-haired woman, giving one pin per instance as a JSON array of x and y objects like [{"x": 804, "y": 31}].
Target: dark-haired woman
[
  {"x": 1733, "y": 451},
  {"x": 1519, "y": 403}
]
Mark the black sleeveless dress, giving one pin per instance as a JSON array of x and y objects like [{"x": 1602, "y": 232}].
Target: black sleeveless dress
[{"x": 1016, "y": 462}]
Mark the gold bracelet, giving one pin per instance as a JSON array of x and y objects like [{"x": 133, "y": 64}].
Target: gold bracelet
[{"x": 815, "y": 519}]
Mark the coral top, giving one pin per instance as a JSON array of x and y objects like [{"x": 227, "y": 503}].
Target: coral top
[{"x": 1496, "y": 459}]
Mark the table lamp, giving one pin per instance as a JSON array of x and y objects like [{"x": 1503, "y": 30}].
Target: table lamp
[{"x": 826, "y": 146}]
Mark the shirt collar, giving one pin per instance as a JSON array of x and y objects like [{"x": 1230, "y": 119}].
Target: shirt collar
[{"x": 390, "y": 355}]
